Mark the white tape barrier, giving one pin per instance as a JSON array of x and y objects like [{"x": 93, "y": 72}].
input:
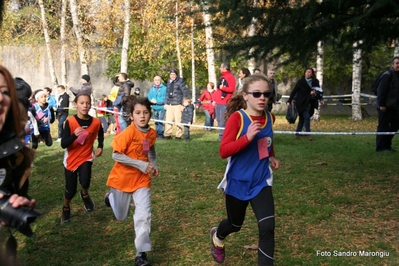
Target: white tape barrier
[
  {"x": 276, "y": 131},
  {"x": 290, "y": 132}
]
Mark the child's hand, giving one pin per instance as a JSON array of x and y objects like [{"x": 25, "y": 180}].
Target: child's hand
[
  {"x": 98, "y": 152},
  {"x": 274, "y": 163},
  {"x": 78, "y": 131},
  {"x": 155, "y": 173},
  {"x": 45, "y": 120},
  {"x": 253, "y": 129},
  {"x": 150, "y": 168}
]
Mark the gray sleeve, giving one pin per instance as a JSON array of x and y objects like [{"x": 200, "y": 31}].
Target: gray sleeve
[
  {"x": 152, "y": 157},
  {"x": 126, "y": 160}
]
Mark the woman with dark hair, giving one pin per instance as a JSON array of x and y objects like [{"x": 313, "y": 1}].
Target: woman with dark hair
[
  {"x": 244, "y": 72},
  {"x": 15, "y": 157},
  {"x": 301, "y": 95}
]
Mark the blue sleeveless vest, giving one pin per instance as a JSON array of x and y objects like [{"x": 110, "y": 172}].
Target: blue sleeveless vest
[{"x": 246, "y": 174}]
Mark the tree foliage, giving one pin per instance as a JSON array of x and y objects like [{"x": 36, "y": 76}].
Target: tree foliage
[
  {"x": 293, "y": 27},
  {"x": 152, "y": 48}
]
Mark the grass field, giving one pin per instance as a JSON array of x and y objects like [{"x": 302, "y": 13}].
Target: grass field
[{"x": 334, "y": 196}]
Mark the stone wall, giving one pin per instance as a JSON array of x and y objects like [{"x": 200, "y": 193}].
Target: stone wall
[{"x": 31, "y": 64}]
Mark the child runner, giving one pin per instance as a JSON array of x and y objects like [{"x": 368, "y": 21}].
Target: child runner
[
  {"x": 248, "y": 145},
  {"x": 135, "y": 161},
  {"x": 44, "y": 116},
  {"x": 187, "y": 117},
  {"x": 78, "y": 136}
]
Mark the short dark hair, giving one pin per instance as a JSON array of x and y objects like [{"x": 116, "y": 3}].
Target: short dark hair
[
  {"x": 124, "y": 75},
  {"x": 396, "y": 57},
  {"x": 245, "y": 71},
  {"x": 226, "y": 65}
]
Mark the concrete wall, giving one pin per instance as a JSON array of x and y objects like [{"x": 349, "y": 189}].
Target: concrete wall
[{"x": 31, "y": 64}]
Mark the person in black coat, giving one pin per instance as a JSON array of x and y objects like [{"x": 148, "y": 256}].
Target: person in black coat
[
  {"x": 301, "y": 95},
  {"x": 187, "y": 117},
  {"x": 63, "y": 108}
]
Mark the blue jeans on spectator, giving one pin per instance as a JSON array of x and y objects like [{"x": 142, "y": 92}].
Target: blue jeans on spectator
[
  {"x": 220, "y": 110},
  {"x": 304, "y": 119},
  {"x": 61, "y": 120},
  {"x": 159, "y": 126},
  {"x": 122, "y": 122},
  {"x": 104, "y": 123},
  {"x": 208, "y": 120}
]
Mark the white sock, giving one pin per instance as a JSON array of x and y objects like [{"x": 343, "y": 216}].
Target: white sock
[{"x": 217, "y": 241}]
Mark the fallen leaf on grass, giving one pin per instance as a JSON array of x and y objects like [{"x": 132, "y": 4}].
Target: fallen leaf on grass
[
  {"x": 253, "y": 246},
  {"x": 322, "y": 163}
]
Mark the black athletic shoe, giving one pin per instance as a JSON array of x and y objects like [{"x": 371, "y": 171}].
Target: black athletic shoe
[
  {"x": 106, "y": 198},
  {"x": 66, "y": 215},
  {"x": 88, "y": 203},
  {"x": 142, "y": 260}
]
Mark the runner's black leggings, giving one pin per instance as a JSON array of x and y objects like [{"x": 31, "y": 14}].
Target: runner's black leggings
[{"x": 263, "y": 207}]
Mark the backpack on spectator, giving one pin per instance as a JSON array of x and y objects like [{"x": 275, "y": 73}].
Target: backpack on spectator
[{"x": 376, "y": 82}]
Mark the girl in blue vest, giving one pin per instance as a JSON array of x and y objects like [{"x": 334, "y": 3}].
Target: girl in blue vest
[
  {"x": 247, "y": 144},
  {"x": 44, "y": 116}
]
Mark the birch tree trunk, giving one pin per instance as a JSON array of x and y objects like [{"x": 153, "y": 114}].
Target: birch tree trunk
[
  {"x": 356, "y": 82},
  {"x": 210, "y": 54},
  {"x": 177, "y": 41},
  {"x": 82, "y": 52},
  {"x": 319, "y": 74},
  {"x": 48, "y": 46},
  {"x": 62, "y": 38},
  {"x": 396, "y": 52},
  {"x": 126, "y": 37},
  {"x": 251, "y": 33},
  {"x": 193, "y": 83}
]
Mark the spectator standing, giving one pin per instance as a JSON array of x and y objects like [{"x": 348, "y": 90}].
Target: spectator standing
[
  {"x": 388, "y": 111},
  {"x": 125, "y": 89},
  {"x": 110, "y": 116},
  {"x": 206, "y": 101},
  {"x": 113, "y": 94},
  {"x": 187, "y": 117},
  {"x": 62, "y": 109},
  {"x": 157, "y": 95},
  {"x": 101, "y": 112},
  {"x": 244, "y": 72},
  {"x": 175, "y": 93},
  {"x": 257, "y": 71},
  {"x": 219, "y": 100},
  {"x": 86, "y": 86},
  {"x": 301, "y": 95},
  {"x": 273, "y": 87},
  {"x": 52, "y": 102},
  {"x": 137, "y": 92}
]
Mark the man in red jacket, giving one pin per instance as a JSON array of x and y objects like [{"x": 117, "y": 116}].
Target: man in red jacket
[{"x": 224, "y": 90}]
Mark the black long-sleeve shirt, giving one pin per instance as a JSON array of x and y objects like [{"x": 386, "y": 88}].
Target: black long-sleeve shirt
[{"x": 68, "y": 138}]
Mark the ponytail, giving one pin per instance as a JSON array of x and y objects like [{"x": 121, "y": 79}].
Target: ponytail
[{"x": 236, "y": 103}]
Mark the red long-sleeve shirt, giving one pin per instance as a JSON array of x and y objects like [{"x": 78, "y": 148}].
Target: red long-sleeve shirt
[
  {"x": 230, "y": 145},
  {"x": 230, "y": 89}
]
